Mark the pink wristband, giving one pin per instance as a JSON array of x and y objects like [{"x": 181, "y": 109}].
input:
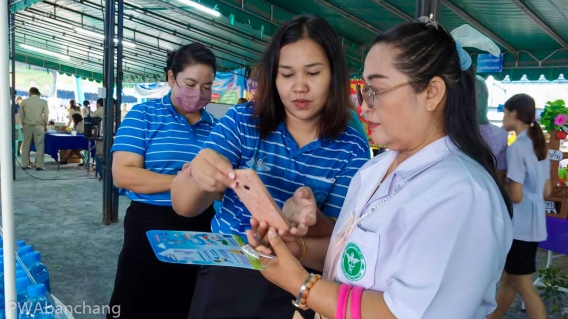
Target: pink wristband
[
  {"x": 344, "y": 290},
  {"x": 356, "y": 303}
]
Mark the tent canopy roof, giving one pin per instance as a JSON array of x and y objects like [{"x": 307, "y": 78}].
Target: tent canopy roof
[{"x": 532, "y": 34}]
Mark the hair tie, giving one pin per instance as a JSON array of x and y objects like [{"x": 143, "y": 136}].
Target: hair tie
[{"x": 429, "y": 21}]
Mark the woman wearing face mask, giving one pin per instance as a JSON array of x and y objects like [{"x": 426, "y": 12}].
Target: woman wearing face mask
[{"x": 153, "y": 142}]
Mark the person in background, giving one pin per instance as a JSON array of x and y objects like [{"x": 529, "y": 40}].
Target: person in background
[
  {"x": 18, "y": 127},
  {"x": 425, "y": 228},
  {"x": 73, "y": 108},
  {"x": 99, "y": 144},
  {"x": 34, "y": 116},
  {"x": 296, "y": 136},
  {"x": 495, "y": 137},
  {"x": 86, "y": 108},
  {"x": 242, "y": 100},
  {"x": 78, "y": 126},
  {"x": 150, "y": 148},
  {"x": 51, "y": 126},
  {"x": 100, "y": 111},
  {"x": 528, "y": 182}
]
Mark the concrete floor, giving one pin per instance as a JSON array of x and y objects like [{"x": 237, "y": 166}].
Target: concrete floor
[{"x": 62, "y": 219}]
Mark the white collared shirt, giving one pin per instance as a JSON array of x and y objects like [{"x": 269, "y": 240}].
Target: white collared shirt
[
  {"x": 529, "y": 217},
  {"x": 437, "y": 248}
]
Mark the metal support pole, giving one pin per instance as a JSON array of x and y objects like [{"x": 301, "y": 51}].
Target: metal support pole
[
  {"x": 108, "y": 185},
  {"x": 6, "y": 182},
  {"x": 428, "y": 7},
  {"x": 119, "y": 77},
  {"x": 13, "y": 54}
]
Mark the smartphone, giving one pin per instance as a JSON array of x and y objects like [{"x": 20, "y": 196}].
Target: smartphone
[
  {"x": 255, "y": 254},
  {"x": 252, "y": 192}
]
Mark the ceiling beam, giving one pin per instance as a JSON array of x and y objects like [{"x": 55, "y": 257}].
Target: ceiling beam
[
  {"x": 53, "y": 32},
  {"x": 164, "y": 29},
  {"x": 541, "y": 23},
  {"x": 198, "y": 17},
  {"x": 204, "y": 33},
  {"x": 271, "y": 20},
  {"x": 96, "y": 59},
  {"x": 394, "y": 10},
  {"x": 175, "y": 44},
  {"x": 480, "y": 27},
  {"x": 349, "y": 16}
]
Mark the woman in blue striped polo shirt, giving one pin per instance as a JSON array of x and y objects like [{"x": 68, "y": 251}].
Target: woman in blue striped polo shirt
[
  {"x": 297, "y": 138},
  {"x": 151, "y": 146}
]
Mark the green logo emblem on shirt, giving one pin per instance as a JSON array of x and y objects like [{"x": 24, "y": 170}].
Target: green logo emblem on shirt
[{"x": 353, "y": 262}]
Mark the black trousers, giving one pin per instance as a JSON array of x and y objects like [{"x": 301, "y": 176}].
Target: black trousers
[
  {"x": 144, "y": 286},
  {"x": 236, "y": 293}
]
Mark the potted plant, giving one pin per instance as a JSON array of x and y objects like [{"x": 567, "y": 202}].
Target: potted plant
[
  {"x": 554, "y": 118},
  {"x": 553, "y": 278}
]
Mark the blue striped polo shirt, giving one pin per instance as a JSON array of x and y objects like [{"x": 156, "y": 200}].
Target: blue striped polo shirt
[
  {"x": 164, "y": 138},
  {"x": 325, "y": 165}
]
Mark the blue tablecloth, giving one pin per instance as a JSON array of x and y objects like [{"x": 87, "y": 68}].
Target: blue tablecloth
[
  {"x": 54, "y": 142},
  {"x": 557, "y": 235}
]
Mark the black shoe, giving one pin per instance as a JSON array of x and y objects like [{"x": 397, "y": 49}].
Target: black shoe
[
  {"x": 26, "y": 168},
  {"x": 40, "y": 169},
  {"x": 81, "y": 164}
]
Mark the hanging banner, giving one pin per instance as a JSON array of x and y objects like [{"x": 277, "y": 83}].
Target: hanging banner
[
  {"x": 228, "y": 87},
  {"x": 487, "y": 63},
  {"x": 28, "y": 76},
  {"x": 250, "y": 91}
]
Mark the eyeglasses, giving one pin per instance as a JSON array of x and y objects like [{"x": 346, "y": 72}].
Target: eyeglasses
[{"x": 367, "y": 93}]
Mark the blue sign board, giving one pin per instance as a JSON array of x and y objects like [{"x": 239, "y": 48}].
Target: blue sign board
[{"x": 487, "y": 63}]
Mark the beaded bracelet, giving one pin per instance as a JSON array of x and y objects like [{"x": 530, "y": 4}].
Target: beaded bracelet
[{"x": 302, "y": 299}]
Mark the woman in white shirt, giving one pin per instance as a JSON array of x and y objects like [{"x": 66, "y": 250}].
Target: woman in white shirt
[
  {"x": 425, "y": 228},
  {"x": 73, "y": 109},
  {"x": 528, "y": 174}
]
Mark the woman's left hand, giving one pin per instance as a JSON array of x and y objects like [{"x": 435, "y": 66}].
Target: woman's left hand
[{"x": 285, "y": 270}]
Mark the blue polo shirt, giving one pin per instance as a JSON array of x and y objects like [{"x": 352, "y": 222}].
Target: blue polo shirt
[
  {"x": 156, "y": 131},
  {"x": 325, "y": 165}
]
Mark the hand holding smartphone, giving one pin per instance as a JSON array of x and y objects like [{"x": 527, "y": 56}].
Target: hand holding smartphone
[{"x": 252, "y": 192}]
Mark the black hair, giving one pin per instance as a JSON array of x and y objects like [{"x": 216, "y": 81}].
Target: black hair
[
  {"x": 525, "y": 106},
  {"x": 34, "y": 91},
  {"x": 190, "y": 54},
  {"x": 86, "y": 103},
  {"x": 428, "y": 51},
  {"x": 77, "y": 118},
  {"x": 73, "y": 105},
  {"x": 268, "y": 106},
  {"x": 100, "y": 102}
]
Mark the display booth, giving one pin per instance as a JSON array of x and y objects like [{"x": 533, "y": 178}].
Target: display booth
[{"x": 554, "y": 119}]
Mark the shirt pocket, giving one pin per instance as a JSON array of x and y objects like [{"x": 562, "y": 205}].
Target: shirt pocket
[
  {"x": 358, "y": 260},
  {"x": 321, "y": 187}
]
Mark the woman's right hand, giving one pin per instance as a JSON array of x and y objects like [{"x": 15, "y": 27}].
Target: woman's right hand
[{"x": 211, "y": 171}]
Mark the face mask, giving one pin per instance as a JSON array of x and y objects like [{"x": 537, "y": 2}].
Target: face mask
[{"x": 192, "y": 100}]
